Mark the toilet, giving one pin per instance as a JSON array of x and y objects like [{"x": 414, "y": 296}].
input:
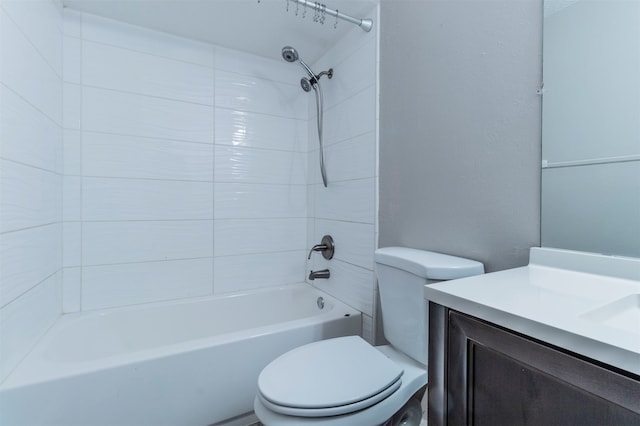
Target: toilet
[{"x": 345, "y": 380}]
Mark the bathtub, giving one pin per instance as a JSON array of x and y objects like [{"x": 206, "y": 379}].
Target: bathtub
[{"x": 188, "y": 362}]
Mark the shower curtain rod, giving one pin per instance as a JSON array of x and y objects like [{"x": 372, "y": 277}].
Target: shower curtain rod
[{"x": 365, "y": 24}]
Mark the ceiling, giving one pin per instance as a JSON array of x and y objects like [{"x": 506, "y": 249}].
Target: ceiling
[{"x": 261, "y": 27}]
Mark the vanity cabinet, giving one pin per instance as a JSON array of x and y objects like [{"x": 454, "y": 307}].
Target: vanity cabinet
[{"x": 483, "y": 374}]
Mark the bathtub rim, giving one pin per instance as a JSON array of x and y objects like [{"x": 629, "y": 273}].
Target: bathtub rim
[{"x": 46, "y": 370}]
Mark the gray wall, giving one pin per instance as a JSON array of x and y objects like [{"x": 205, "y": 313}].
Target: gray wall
[{"x": 460, "y": 127}]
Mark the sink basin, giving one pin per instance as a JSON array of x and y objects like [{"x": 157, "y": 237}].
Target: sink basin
[{"x": 623, "y": 314}]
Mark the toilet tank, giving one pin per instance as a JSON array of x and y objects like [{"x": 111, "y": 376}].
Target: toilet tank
[{"x": 402, "y": 273}]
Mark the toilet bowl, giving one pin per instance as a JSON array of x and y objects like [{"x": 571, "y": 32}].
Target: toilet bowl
[
  {"x": 341, "y": 381},
  {"x": 347, "y": 381}
]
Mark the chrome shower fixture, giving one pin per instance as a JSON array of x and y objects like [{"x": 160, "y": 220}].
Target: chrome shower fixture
[
  {"x": 290, "y": 54},
  {"x": 305, "y": 83}
]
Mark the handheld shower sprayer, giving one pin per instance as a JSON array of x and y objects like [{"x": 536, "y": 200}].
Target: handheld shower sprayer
[
  {"x": 290, "y": 54},
  {"x": 305, "y": 83}
]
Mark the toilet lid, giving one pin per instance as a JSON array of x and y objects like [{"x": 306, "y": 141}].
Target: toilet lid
[{"x": 344, "y": 372}]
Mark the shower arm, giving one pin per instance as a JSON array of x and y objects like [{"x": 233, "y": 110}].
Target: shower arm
[
  {"x": 328, "y": 73},
  {"x": 313, "y": 77},
  {"x": 365, "y": 24}
]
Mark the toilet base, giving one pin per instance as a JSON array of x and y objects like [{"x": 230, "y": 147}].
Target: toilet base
[{"x": 409, "y": 415}]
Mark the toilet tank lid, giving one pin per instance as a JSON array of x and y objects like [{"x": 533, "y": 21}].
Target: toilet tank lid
[{"x": 428, "y": 264}]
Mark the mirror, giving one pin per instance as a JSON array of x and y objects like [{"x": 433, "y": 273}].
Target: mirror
[{"x": 591, "y": 126}]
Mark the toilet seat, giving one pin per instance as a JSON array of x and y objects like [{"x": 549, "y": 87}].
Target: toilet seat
[
  {"x": 328, "y": 378},
  {"x": 331, "y": 411}
]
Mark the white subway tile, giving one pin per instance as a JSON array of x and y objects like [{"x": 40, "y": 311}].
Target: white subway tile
[
  {"x": 58, "y": 140},
  {"x": 108, "y": 111},
  {"x": 158, "y": 43},
  {"x": 26, "y": 319},
  {"x": 311, "y": 200},
  {"x": 254, "y": 130},
  {"x": 71, "y": 22},
  {"x": 352, "y": 200},
  {"x": 28, "y": 196},
  {"x": 350, "y": 43},
  {"x": 311, "y": 233},
  {"x": 354, "y": 241},
  {"x": 111, "y": 155},
  {"x": 126, "y": 242},
  {"x": 71, "y": 244},
  {"x": 71, "y": 290},
  {"x": 27, "y": 67},
  {"x": 314, "y": 176},
  {"x": 72, "y": 152},
  {"x": 252, "y": 94},
  {"x": 274, "y": 69},
  {"x": 238, "y": 164},
  {"x": 368, "y": 329},
  {"x": 72, "y": 106},
  {"x": 351, "y": 284},
  {"x": 116, "y": 285},
  {"x": 247, "y": 200},
  {"x": 238, "y": 236},
  {"x": 111, "y": 67},
  {"x": 28, "y": 136},
  {"x": 350, "y": 159},
  {"x": 134, "y": 199},
  {"x": 41, "y": 22},
  {"x": 30, "y": 184},
  {"x": 72, "y": 198},
  {"x": 72, "y": 60},
  {"x": 352, "y": 72},
  {"x": 312, "y": 113},
  {"x": 235, "y": 273},
  {"x": 353, "y": 117},
  {"x": 27, "y": 257}
]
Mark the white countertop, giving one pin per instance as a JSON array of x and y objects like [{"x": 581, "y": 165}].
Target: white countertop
[{"x": 565, "y": 306}]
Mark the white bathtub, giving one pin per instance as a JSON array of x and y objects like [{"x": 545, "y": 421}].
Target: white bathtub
[{"x": 191, "y": 362}]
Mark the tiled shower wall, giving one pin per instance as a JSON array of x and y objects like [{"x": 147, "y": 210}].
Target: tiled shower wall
[
  {"x": 30, "y": 174},
  {"x": 185, "y": 167},
  {"x": 347, "y": 208},
  {"x": 138, "y": 166}
]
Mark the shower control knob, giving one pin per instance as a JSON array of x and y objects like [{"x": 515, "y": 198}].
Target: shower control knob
[{"x": 326, "y": 246}]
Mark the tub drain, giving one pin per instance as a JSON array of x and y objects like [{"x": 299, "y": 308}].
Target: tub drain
[{"x": 320, "y": 303}]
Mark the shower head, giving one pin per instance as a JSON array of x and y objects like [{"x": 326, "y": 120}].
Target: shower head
[
  {"x": 289, "y": 54},
  {"x": 306, "y": 84}
]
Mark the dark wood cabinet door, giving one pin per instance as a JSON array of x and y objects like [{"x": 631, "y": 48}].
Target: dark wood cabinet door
[{"x": 491, "y": 376}]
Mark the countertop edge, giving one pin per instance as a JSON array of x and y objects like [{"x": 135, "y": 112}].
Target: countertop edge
[{"x": 582, "y": 345}]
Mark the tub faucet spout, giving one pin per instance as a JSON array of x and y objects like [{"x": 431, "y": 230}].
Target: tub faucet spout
[{"x": 324, "y": 274}]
